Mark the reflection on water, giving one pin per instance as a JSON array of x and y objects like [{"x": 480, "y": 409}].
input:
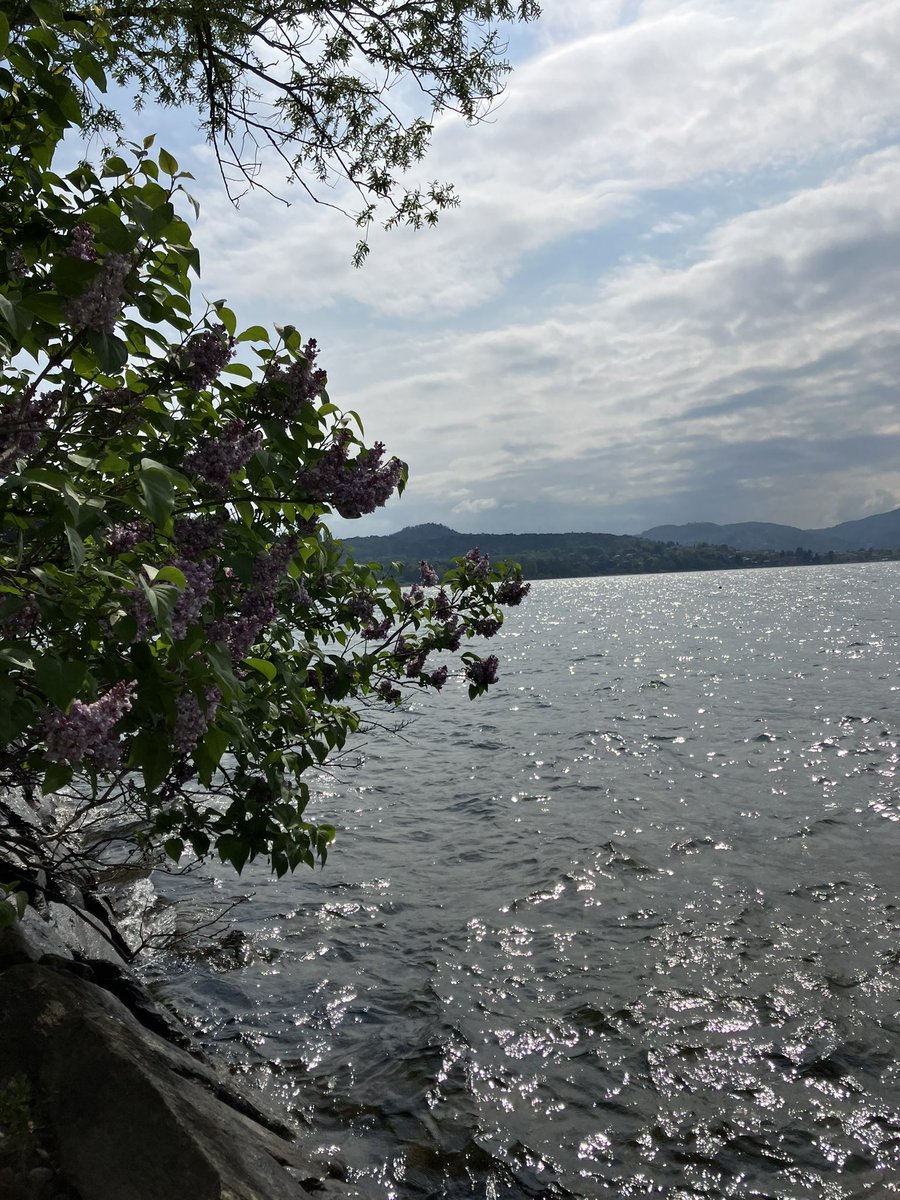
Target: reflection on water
[{"x": 626, "y": 927}]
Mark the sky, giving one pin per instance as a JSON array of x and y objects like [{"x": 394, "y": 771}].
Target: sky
[{"x": 669, "y": 294}]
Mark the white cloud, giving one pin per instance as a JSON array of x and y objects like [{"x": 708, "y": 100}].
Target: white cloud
[
  {"x": 484, "y": 504},
  {"x": 532, "y": 348}
]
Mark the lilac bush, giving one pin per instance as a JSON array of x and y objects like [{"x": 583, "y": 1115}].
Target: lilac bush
[{"x": 181, "y": 635}]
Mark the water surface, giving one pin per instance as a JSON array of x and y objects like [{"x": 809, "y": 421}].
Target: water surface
[{"x": 625, "y": 927}]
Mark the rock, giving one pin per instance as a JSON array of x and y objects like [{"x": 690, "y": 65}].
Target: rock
[
  {"x": 83, "y": 933},
  {"x": 29, "y": 940},
  {"x": 132, "y": 1117}
]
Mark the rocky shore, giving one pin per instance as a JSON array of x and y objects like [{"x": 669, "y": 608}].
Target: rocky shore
[{"x": 103, "y": 1093}]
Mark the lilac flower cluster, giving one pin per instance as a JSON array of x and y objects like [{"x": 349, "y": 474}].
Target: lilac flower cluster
[
  {"x": 285, "y": 391},
  {"x": 99, "y": 305},
  {"x": 195, "y": 535},
  {"x": 19, "y": 619},
  {"x": 362, "y": 605},
  {"x": 413, "y": 597},
  {"x": 23, "y": 421},
  {"x": 429, "y": 574},
  {"x": 373, "y": 633},
  {"x": 438, "y": 678},
  {"x": 389, "y": 693},
  {"x": 487, "y": 627},
  {"x": 443, "y": 607},
  {"x": 258, "y": 607},
  {"x": 484, "y": 670},
  {"x": 269, "y": 567},
  {"x": 206, "y": 354},
  {"x": 191, "y": 723},
  {"x": 480, "y": 564},
  {"x": 82, "y": 244},
  {"x": 217, "y": 459},
  {"x": 122, "y": 538},
  {"x": 512, "y": 592},
  {"x": 16, "y": 263},
  {"x": 352, "y": 486},
  {"x": 86, "y": 733},
  {"x": 199, "y": 579},
  {"x": 452, "y": 637},
  {"x": 416, "y": 664}
]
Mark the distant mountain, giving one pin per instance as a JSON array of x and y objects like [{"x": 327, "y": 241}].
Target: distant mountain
[
  {"x": 878, "y": 532},
  {"x": 567, "y": 555}
]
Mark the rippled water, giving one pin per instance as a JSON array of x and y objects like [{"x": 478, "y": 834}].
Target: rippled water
[{"x": 625, "y": 927}]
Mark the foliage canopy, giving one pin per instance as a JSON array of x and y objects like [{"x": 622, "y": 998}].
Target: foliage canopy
[
  {"x": 320, "y": 84},
  {"x": 182, "y": 639}
]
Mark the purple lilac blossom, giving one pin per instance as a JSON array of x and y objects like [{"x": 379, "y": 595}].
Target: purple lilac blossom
[
  {"x": 124, "y": 537},
  {"x": 443, "y": 609},
  {"x": 452, "y": 638},
  {"x": 23, "y": 421},
  {"x": 487, "y": 627},
  {"x": 439, "y": 677},
  {"x": 512, "y": 592},
  {"x": 199, "y": 577},
  {"x": 415, "y": 665},
  {"x": 82, "y": 244},
  {"x": 373, "y": 633},
  {"x": 86, "y": 732},
  {"x": 286, "y": 390},
  {"x": 195, "y": 535},
  {"x": 206, "y": 354},
  {"x": 191, "y": 723},
  {"x": 413, "y": 597},
  {"x": 389, "y": 693},
  {"x": 352, "y": 486},
  {"x": 429, "y": 574},
  {"x": 19, "y": 618},
  {"x": 481, "y": 564},
  {"x": 258, "y": 607},
  {"x": 362, "y": 605},
  {"x": 99, "y": 305},
  {"x": 484, "y": 670},
  {"x": 16, "y": 263},
  {"x": 217, "y": 459}
]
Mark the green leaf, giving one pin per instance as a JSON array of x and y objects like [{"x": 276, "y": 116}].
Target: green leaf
[
  {"x": 18, "y": 319},
  {"x": 56, "y": 777},
  {"x": 263, "y": 666},
  {"x": 16, "y": 713},
  {"x": 4, "y": 33},
  {"x": 46, "y": 305},
  {"x": 111, "y": 352},
  {"x": 234, "y": 850},
  {"x": 115, "y": 166},
  {"x": 256, "y": 333},
  {"x": 76, "y": 547},
  {"x": 46, "y": 10},
  {"x": 59, "y": 679},
  {"x": 208, "y": 752},
  {"x": 174, "y": 848},
  {"x": 150, "y": 751},
  {"x": 157, "y": 493},
  {"x": 167, "y": 163},
  {"x": 171, "y": 575}
]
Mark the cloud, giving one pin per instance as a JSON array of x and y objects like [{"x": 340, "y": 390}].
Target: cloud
[
  {"x": 671, "y": 290},
  {"x": 475, "y": 506},
  {"x": 780, "y": 340}
]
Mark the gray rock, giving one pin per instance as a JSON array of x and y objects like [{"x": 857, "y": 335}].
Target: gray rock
[
  {"x": 83, "y": 933},
  {"x": 29, "y": 940},
  {"x": 132, "y": 1117}
]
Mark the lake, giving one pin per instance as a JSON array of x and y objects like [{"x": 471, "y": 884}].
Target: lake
[{"x": 627, "y": 926}]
